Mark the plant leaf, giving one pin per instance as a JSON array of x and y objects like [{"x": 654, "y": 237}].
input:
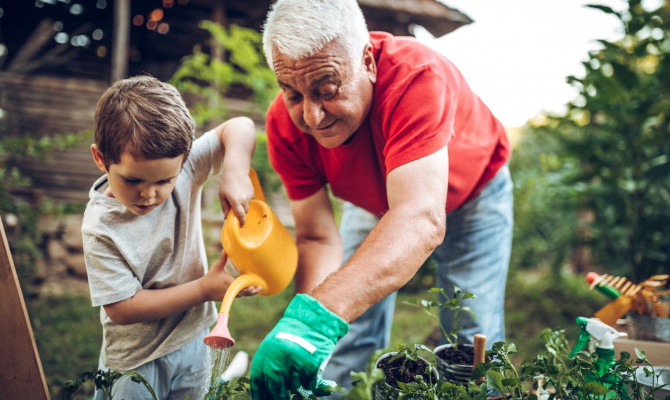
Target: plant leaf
[{"x": 494, "y": 379}]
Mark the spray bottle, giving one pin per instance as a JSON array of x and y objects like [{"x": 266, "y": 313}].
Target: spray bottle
[{"x": 603, "y": 335}]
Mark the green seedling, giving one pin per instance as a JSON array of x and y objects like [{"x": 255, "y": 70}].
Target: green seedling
[{"x": 433, "y": 308}]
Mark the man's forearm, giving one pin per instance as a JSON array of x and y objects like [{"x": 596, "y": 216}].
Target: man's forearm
[
  {"x": 317, "y": 260},
  {"x": 389, "y": 257}
]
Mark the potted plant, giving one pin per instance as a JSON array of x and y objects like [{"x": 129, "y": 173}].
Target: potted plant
[
  {"x": 454, "y": 360},
  {"x": 405, "y": 372}
]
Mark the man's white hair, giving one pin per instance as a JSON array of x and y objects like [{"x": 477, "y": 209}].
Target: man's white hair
[{"x": 300, "y": 28}]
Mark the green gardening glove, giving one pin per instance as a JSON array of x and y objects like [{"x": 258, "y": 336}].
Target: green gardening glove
[{"x": 293, "y": 355}]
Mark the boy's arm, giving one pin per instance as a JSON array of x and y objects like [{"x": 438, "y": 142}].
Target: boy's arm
[
  {"x": 237, "y": 137},
  {"x": 153, "y": 304}
]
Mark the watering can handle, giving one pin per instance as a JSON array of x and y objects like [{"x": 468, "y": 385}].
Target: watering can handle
[{"x": 258, "y": 190}]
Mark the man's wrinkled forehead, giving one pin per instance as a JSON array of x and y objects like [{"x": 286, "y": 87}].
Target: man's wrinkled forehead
[{"x": 331, "y": 62}]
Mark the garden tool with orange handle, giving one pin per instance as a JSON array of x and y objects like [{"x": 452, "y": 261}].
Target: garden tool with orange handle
[
  {"x": 263, "y": 252},
  {"x": 480, "y": 352},
  {"x": 621, "y": 302}
]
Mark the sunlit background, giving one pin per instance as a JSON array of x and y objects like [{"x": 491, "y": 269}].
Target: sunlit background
[{"x": 517, "y": 54}]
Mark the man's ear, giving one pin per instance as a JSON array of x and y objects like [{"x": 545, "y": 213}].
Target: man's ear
[
  {"x": 369, "y": 63},
  {"x": 98, "y": 158}
]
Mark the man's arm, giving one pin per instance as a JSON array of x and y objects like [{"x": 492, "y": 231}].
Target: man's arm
[
  {"x": 399, "y": 244},
  {"x": 318, "y": 240}
]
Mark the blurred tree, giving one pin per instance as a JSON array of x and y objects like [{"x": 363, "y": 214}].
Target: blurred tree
[
  {"x": 240, "y": 70},
  {"x": 230, "y": 64},
  {"x": 616, "y": 133},
  {"x": 545, "y": 208}
]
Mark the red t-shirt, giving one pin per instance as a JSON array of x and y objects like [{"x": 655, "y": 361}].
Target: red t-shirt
[{"x": 421, "y": 103}]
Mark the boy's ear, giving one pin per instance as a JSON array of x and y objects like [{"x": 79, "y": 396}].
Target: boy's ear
[{"x": 98, "y": 158}]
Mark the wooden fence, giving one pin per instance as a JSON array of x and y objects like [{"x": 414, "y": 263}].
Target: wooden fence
[
  {"x": 43, "y": 106},
  {"x": 47, "y": 105}
]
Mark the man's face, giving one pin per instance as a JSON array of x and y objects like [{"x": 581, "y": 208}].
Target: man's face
[
  {"x": 141, "y": 185},
  {"x": 327, "y": 95}
]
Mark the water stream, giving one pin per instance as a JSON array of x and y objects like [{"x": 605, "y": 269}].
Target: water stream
[{"x": 218, "y": 360}]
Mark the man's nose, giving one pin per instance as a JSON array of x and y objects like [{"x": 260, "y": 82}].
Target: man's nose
[{"x": 313, "y": 113}]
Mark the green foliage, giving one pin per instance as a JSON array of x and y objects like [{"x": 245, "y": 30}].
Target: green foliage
[
  {"x": 443, "y": 302},
  {"x": 615, "y": 136},
  {"x": 210, "y": 77},
  {"x": 241, "y": 67},
  {"x": 545, "y": 207},
  {"x": 105, "y": 381},
  {"x": 236, "y": 389},
  {"x": 363, "y": 383}
]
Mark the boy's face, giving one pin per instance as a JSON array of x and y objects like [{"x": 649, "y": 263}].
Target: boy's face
[{"x": 140, "y": 185}]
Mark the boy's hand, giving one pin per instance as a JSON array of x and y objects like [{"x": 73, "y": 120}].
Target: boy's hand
[
  {"x": 215, "y": 283},
  {"x": 235, "y": 192}
]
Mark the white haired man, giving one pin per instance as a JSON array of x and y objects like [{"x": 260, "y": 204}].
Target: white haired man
[{"x": 393, "y": 128}]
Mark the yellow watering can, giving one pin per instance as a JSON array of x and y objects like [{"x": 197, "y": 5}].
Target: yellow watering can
[{"x": 263, "y": 252}]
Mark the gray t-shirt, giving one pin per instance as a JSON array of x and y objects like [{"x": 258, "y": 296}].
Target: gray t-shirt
[{"x": 125, "y": 253}]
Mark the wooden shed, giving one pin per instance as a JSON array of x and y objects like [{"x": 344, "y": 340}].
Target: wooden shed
[{"x": 56, "y": 58}]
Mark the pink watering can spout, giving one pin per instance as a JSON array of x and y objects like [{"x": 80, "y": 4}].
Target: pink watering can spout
[{"x": 219, "y": 337}]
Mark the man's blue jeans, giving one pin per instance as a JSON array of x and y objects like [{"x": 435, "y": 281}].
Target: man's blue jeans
[{"x": 473, "y": 256}]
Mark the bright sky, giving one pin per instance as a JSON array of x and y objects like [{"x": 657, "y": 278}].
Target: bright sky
[{"x": 517, "y": 53}]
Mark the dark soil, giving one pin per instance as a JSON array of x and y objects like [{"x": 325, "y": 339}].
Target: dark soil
[
  {"x": 464, "y": 355},
  {"x": 396, "y": 372}
]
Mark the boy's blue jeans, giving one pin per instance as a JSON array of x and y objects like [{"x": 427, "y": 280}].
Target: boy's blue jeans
[
  {"x": 182, "y": 374},
  {"x": 473, "y": 256}
]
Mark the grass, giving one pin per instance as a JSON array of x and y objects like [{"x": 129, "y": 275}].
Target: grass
[{"x": 68, "y": 335}]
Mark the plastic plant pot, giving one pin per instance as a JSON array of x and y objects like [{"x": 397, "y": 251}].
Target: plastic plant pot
[
  {"x": 453, "y": 372},
  {"x": 388, "y": 389}
]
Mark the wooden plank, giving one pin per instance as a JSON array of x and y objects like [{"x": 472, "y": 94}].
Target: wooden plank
[{"x": 21, "y": 374}]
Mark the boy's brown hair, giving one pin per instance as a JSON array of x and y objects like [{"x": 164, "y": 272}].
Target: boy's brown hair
[{"x": 144, "y": 116}]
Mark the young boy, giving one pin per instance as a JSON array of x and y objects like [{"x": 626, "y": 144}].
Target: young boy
[{"x": 142, "y": 232}]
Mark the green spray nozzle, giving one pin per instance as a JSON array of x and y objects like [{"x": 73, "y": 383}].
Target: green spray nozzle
[
  {"x": 594, "y": 328},
  {"x": 584, "y": 337}
]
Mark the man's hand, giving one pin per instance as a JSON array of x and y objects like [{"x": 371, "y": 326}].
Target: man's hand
[{"x": 293, "y": 355}]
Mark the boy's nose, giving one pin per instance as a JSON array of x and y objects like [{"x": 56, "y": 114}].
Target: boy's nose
[{"x": 148, "y": 192}]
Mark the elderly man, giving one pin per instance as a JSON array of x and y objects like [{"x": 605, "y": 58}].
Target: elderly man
[{"x": 393, "y": 128}]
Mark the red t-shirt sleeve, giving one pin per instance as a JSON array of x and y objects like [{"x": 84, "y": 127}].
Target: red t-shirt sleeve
[{"x": 421, "y": 121}]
